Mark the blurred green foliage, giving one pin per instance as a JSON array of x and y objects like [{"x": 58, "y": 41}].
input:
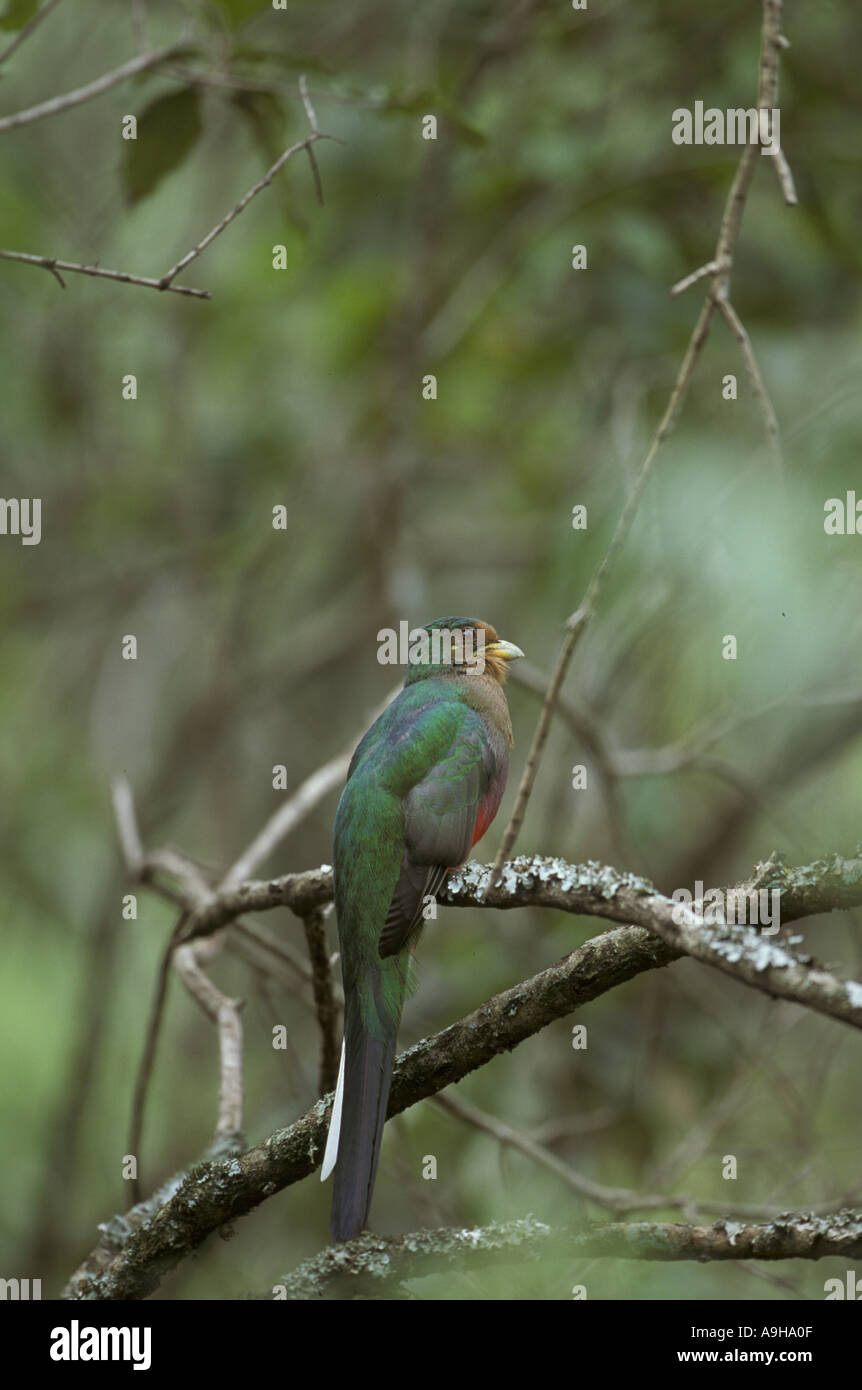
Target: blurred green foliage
[{"x": 302, "y": 387}]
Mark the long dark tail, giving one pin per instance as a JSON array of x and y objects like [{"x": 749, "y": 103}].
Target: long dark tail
[{"x": 367, "y": 1075}]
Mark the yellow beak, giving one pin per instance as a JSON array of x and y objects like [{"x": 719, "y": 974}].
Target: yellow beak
[{"x": 507, "y": 650}]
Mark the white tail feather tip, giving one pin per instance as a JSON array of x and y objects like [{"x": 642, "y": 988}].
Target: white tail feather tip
[{"x": 331, "y": 1152}]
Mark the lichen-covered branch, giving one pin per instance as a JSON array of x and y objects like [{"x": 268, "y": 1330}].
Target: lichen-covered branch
[
  {"x": 215, "y": 1193},
  {"x": 376, "y": 1266},
  {"x": 596, "y": 890}
]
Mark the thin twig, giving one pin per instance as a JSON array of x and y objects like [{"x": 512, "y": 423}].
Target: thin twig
[
  {"x": 243, "y": 203},
  {"x": 770, "y": 420},
  {"x": 315, "y": 174},
  {"x": 266, "y": 942},
  {"x": 324, "y": 997},
  {"x": 696, "y": 275},
  {"x": 306, "y": 101},
  {"x": 164, "y": 282},
  {"x": 147, "y": 1062},
  {"x": 579, "y": 620},
  {"x": 617, "y": 1199},
  {"x": 723, "y": 261},
  {"x": 142, "y": 63},
  {"x": 194, "y": 889},
  {"x": 785, "y": 178},
  {"x": 309, "y": 793},
  {"x": 139, "y": 24},
  {"x": 225, "y": 1014},
  {"x": 55, "y": 266},
  {"x": 24, "y": 33},
  {"x": 195, "y": 894},
  {"x": 127, "y": 826},
  {"x": 196, "y": 886}
]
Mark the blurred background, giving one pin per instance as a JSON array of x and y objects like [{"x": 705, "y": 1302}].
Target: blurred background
[{"x": 302, "y": 387}]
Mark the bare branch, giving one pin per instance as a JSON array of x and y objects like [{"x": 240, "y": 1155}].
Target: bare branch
[
  {"x": 254, "y": 941},
  {"x": 616, "y": 1199},
  {"x": 502, "y": 1023},
  {"x": 722, "y": 262},
  {"x": 306, "y": 101},
  {"x": 740, "y": 951},
  {"x": 376, "y": 1266},
  {"x": 310, "y": 792},
  {"x": 147, "y": 1062},
  {"x": 55, "y": 265},
  {"x": 761, "y": 395},
  {"x": 291, "y": 1154},
  {"x": 25, "y": 32},
  {"x": 139, "y": 24},
  {"x": 127, "y": 826},
  {"x": 693, "y": 279},
  {"x": 194, "y": 894},
  {"x": 244, "y": 202},
  {"x": 142, "y": 63},
  {"x": 324, "y": 997},
  {"x": 308, "y": 795},
  {"x": 164, "y": 282},
  {"x": 576, "y": 624},
  {"x": 195, "y": 887},
  {"x": 785, "y": 178},
  {"x": 225, "y": 1014},
  {"x": 600, "y": 891}
]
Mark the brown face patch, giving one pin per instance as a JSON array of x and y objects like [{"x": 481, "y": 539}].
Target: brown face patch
[
  {"x": 496, "y": 666},
  {"x": 489, "y": 631}
]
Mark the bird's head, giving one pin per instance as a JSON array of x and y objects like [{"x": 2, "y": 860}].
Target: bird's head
[{"x": 459, "y": 646}]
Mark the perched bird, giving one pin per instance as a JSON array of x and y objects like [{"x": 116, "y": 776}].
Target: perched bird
[{"x": 423, "y": 786}]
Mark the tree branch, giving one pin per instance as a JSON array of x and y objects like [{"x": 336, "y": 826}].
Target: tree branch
[
  {"x": 596, "y": 890},
  {"x": 54, "y": 265},
  {"x": 25, "y": 32},
  {"x": 720, "y": 267},
  {"x": 376, "y": 1265},
  {"x": 620, "y": 1200},
  {"x": 308, "y": 795},
  {"x": 142, "y": 63},
  {"x": 164, "y": 283},
  {"x": 761, "y": 395},
  {"x": 224, "y": 1012},
  {"x": 324, "y": 997},
  {"x": 243, "y": 203},
  {"x": 215, "y": 1193}
]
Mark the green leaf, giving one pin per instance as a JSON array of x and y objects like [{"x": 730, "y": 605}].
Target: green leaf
[
  {"x": 265, "y": 115},
  {"x": 181, "y": 54},
  {"x": 399, "y": 103},
  {"x": 409, "y": 103},
  {"x": 167, "y": 130},
  {"x": 18, "y": 13},
  {"x": 240, "y": 12},
  {"x": 468, "y": 133},
  {"x": 293, "y": 61}
]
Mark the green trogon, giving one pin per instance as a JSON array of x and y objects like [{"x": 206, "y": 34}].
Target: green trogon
[{"x": 423, "y": 786}]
